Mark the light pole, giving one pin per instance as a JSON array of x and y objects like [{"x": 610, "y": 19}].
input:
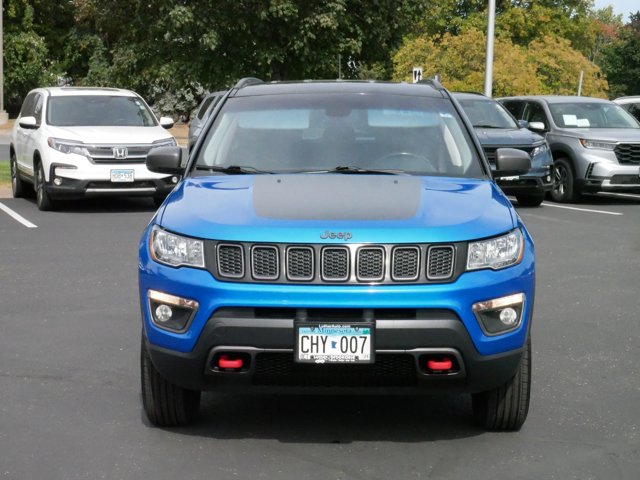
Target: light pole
[
  {"x": 3, "y": 115},
  {"x": 488, "y": 71}
]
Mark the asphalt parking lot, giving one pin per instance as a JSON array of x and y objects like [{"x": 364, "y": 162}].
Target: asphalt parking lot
[{"x": 69, "y": 386}]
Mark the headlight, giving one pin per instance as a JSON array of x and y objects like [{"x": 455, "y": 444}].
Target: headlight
[
  {"x": 597, "y": 144},
  {"x": 497, "y": 252},
  {"x": 175, "y": 250},
  {"x": 67, "y": 146},
  {"x": 165, "y": 142},
  {"x": 539, "y": 150}
]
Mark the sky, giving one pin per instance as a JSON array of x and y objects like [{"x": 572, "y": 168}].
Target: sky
[{"x": 620, "y": 6}]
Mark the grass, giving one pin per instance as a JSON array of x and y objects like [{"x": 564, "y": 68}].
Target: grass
[{"x": 5, "y": 174}]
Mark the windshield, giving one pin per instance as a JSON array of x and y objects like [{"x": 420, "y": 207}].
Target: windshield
[
  {"x": 98, "y": 110},
  {"x": 591, "y": 115},
  {"x": 487, "y": 113},
  {"x": 328, "y": 132}
]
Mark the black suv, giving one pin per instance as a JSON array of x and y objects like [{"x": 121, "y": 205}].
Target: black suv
[{"x": 496, "y": 128}]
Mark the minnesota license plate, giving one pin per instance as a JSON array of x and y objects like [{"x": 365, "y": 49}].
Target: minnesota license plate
[
  {"x": 334, "y": 343},
  {"x": 122, "y": 175}
]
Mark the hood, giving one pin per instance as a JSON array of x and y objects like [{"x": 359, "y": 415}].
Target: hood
[
  {"x": 308, "y": 208},
  {"x": 631, "y": 135},
  {"x": 504, "y": 137},
  {"x": 111, "y": 135}
]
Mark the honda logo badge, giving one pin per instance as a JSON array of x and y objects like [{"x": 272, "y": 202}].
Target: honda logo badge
[{"x": 120, "y": 152}]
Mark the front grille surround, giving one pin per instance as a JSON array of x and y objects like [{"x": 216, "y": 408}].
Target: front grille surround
[
  {"x": 230, "y": 260},
  {"x": 628, "y": 153},
  {"x": 440, "y": 262},
  {"x": 265, "y": 262},
  {"x": 339, "y": 264},
  {"x": 104, "y": 153}
]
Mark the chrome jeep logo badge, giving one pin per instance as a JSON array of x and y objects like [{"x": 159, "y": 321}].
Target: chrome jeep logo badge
[
  {"x": 338, "y": 235},
  {"x": 120, "y": 153}
]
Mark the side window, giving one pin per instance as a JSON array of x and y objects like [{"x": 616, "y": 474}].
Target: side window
[
  {"x": 28, "y": 105},
  {"x": 634, "y": 109},
  {"x": 535, "y": 113},
  {"x": 515, "y": 108},
  {"x": 37, "y": 110},
  {"x": 203, "y": 108}
]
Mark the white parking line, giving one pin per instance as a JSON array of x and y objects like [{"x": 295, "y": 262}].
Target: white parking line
[
  {"x": 581, "y": 209},
  {"x": 16, "y": 216}
]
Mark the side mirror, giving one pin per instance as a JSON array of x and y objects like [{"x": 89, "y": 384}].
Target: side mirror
[
  {"x": 166, "y": 122},
  {"x": 29, "y": 122},
  {"x": 511, "y": 162},
  {"x": 523, "y": 124},
  {"x": 165, "y": 160},
  {"x": 537, "y": 126}
]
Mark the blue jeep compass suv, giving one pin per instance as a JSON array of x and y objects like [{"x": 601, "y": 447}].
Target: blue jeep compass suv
[{"x": 337, "y": 237}]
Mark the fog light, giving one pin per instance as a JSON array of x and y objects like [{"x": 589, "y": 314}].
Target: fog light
[
  {"x": 500, "y": 315},
  {"x": 57, "y": 181},
  {"x": 164, "y": 313},
  {"x": 508, "y": 316},
  {"x": 171, "y": 312},
  {"x": 548, "y": 178},
  {"x": 174, "y": 179}
]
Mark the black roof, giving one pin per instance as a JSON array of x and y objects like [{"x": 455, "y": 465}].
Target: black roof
[{"x": 337, "y": 86}]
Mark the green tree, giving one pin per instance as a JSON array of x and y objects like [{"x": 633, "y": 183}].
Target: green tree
[
  {"x": 546, "y": 66},
  {"x": 620, "y": 60},
  {"x": 26, "y": 59}
]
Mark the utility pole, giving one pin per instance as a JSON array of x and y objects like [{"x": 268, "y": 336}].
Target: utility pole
[
  {"x": 3, "y": 115},
  {"x": 580, "y": 82},
  {"x": 488, "y": 71}
]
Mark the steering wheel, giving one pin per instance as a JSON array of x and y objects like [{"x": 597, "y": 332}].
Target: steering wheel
[{"x": 419, "y": 161}]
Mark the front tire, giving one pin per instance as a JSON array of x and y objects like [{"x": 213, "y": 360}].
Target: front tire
[
  {"x": 17, "y": 184},
  {"x": 43, "y": 200},
  {"x": 165, "y": 404},
  {"x": 564, "y": 188},
  {"x": 533, "y": 200},
  {"x": 505, "y": 408}
]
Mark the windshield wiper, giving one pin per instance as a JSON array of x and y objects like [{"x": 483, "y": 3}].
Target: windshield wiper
[
  {"x": 351, "y": 169},
  {"x": 486, "y": 125},
  {"x": 231, "y": 169}
]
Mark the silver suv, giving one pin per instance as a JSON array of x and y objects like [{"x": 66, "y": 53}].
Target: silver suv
[{"x": 595, "y": 143}]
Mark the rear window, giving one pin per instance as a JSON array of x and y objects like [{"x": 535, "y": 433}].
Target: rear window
[
  {"x": 315, "y": 132},
  {"x": 98, "y": 110}
]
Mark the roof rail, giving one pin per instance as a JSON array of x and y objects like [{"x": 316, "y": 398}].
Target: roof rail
[
  {"x": 433, "y": 81},
  {"x": 244, "y": 82}
]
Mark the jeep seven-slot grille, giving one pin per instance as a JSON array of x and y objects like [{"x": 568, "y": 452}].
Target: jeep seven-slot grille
[
  {"x": 329, "y": 264},
  {"x": 628, "y": 153}
]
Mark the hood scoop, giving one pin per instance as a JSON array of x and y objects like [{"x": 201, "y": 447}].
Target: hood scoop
[{"x": 336, "y": 197}]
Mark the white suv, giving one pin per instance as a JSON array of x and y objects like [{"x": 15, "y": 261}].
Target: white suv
[{"x": 73, "y": 142}]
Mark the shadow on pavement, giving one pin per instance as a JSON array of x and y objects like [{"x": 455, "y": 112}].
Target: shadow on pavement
[
  {"x": 104, "y": 205},
  {"x": 334, "y": 419}
]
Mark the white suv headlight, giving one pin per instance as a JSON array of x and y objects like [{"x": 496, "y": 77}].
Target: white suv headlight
[
  {"x": 176, "y": 250},
  {"x": 68, "y": 146},
  {"x": 496, "y": 252}
]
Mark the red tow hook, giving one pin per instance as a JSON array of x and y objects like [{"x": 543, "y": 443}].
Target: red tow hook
[
  {"x": 443, "y": 364},
  {"x": 230, "y": 363}
]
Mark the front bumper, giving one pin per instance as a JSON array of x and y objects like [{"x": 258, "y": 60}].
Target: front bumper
[
  {"x": 98, "y": 183},
  {"x": 527, "y": 185},
  {"x": 446, "y": 324},
  {"x": 610, "y": 177}
]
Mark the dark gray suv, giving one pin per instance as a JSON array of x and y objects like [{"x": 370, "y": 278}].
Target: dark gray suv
[
  {"x": 595, "y": 143},
  {"x": 496, "y": 128}
]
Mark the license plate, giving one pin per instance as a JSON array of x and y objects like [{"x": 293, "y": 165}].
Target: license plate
[
  {"x": 510, "y": 179},
  {"x": 334, "y": 343},
  {"x": 122, "y": 175}
]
